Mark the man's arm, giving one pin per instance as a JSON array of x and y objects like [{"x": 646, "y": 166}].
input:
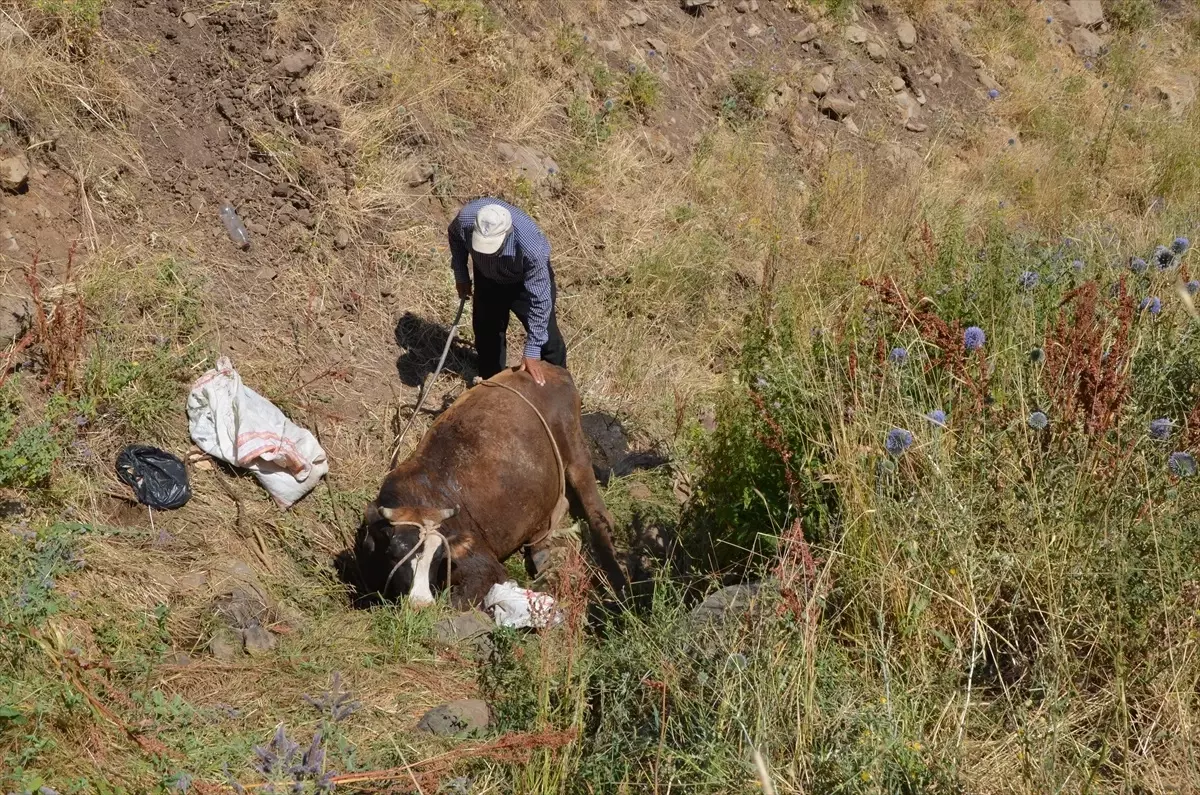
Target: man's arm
[
  {"x": 537, "y": 282},
  {"x": 458, "y": 251}
]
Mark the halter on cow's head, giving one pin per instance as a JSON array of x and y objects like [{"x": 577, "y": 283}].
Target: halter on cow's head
[{"x": 402, "y": 551}]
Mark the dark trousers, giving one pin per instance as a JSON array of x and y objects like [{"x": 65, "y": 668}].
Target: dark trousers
[{"x": 489, "y": 319}]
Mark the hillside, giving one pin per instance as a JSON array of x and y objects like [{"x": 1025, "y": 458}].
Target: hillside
[{"x": 968, "y": 563}]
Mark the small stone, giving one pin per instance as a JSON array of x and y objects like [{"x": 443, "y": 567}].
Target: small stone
[
  {"x": 297, "y": 63},
  {"x": 634, "y": 16},
  {"x": 14, "y": 173},
  {"x": 611, "y": 45},
  {"x": 1089, "y": 13},
  {"x": 921, "y": 98},
  {"x": 1085, "y": 43},
  {"x": 936, "y": 79},
  {"x": 906, "y": 34},
  {"x": 190, "y": 19},
  {"x": 862, "y": 94},
  {"x": 807, "y": 34},
  {"x": 897, "y": 83},
  {"x": 341, "y": 238},
  {"x": 421, "y": 175},
  {"x": 753, "y": 31},
  {"x": 986, "y": 80},
  {"x": 658, "y": 45},
  {"x": 754, "y": 5},
  {"x": 742, "y": 6},
  {"x": 818, "y": 84},
  {"x": 640, "y": 492},
  {"x": 850, "y": 125},
  {"x": 224, "y": 646},
  {"x": 836, "y": 107},
  {"x": 473, "y": 629},
  {"x": 856, "y": 35},
  {"x": 912, "y": 125},
  {"x": 876, "y": 51},
  {"x": 257, "y": 640},
  {"x": 466, "y": 716},
  {"x": 197, "y": 203},
  {"x": 1177, "y": 92},
  {"x": 722, "y": 605}
]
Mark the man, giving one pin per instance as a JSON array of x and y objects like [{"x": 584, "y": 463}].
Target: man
[{"x": 511, "y": 259}]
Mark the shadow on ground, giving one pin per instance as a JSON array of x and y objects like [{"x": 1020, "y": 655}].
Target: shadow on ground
[{"x": 421, "y": 342}]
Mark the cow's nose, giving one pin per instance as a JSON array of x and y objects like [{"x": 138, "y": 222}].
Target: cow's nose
[{"x": 419, "y": 604}]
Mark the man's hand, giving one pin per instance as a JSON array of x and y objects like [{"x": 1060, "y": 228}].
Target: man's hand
[
  {"x": 464, "y": 290},
  {"x": 535, "y": 368}
]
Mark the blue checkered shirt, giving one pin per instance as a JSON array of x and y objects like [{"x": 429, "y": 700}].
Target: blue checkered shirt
[{"x": 524, "y": 257}]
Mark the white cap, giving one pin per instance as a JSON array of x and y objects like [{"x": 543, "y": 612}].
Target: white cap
[{"x": 491, "y": 226}]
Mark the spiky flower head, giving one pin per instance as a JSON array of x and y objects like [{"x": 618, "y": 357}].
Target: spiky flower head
[
  {"x": 1137, "y": 265},
  {"x": 898, "y": 440},
  {"x": 1180, "y": 245},
  {"x": 1037, "y": 355},
  {"x": 898, "y": 356},
  {"x": 1163, "y": 257},
  {"x": 1161, "y": 428},
  {"x": 974, "y": 338},
  {"x": 1028, "y": 280},
  {"x": 1182, "y": 464},
  {"x": 937, "y": 417},
  {"x": 1039, "y": 421},
  {"x": 1153, "y": 305}
]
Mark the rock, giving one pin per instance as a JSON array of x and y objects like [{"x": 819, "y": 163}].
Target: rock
[
  {"x": 634, "y": 16},
  {"x": 341, "y": 238},
  {"x": 1089, "y": 13},
  {"x": 856, "y": 35},
  {"x": 806, "y": 34},
  {"x": 986, "y": 80},
  {"x": 14, "y": 173},
  {"x": 906, "y": 34},
  {"x": 224, "y": 645},
  {"x": 912, "y": 125},
  {"x": 8, "y": 243},
  {"x": 640, "y": 492},
  {"x": 466, "y": 716},
  {"x": 898, "y": 83},
  {"x": 529, "y": 163},
  {"x": 297, "y": 63},
  {"x": 659, "y": 145},
  {"x": 908, "y": 105},
  {"x": 1062, "y": 13},
  {"x": 836, "y": 107},
  {"x": 818, "y": 84},
  {"x": 779, "y": 99},
  {"x": 658, "y": 45},
  {"x": 257, "y": 641},
  {"x": 876, "y": 51},
  {"x": 190, "y": 19},
  {"x": 472, "y": 629},
  {"x": 1177, "y": 92},
  {"x": 849, "y": 124},
  {"x": 935, "y": 79},
  {"x": 421, "y": 175},
  {"x": 1085, "y": 43},
  {"x": 16, "y": 315},
  {"x": 722, "y": 605},
  {"x": 754, "y": 31},
  {"x": 742, "y": 6},
  {"x": 611, "y": 45}
]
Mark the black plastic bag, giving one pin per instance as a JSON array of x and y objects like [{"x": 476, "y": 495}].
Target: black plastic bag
[{"x": 158, "y": 478}]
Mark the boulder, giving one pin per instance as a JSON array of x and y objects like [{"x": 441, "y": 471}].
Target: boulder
[
  {"x": 1085, "y": 43},
  {"x": 856, "y": 35},
  {"x": 818, "y": 84},
  {"x": 472, "y": 629},
  {"x": 906, "y": 33},
  {"x": 257, "y": 641},
  {"x": 1089, "y": 13},
  {"x": 465, "y": 716},
  {"x": 14, "y": 173},
  {"x": 806, "y": 34},
  {"x": 836, "y": 107},
  {"x": 876, "y": 51}
]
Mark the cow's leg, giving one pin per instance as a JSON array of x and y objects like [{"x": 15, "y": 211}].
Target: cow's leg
[
  {"x": 473, "y": 576},
  {"x": 581, "y": 479}
]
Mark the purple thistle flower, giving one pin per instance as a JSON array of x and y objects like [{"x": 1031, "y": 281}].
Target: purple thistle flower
[
  {"x": 1153, "y": 305},
  {"x": 1180, "y": 245},
  {"x": 1028, "y": 280},
  {"x": 1137, "y": 265},
  {"x": 974, "y": 338},
  {"x": 1182, "y": 464},
  {"x": 898, "y": 440},
  {"x": 1037, "y": 355},
  {"x": 1078, "y": 265},
  {"x": 1163, "y": 257},
  {"x": 181, "y": 782},
  {"x": 1039, "y": 421},
  {"x": 609, "y": 104},
  {"x": 937, "y": 417},
  {"x": 994, "y": 93},
  {"x": 1193, "y": 286},
  {"x": 1160, "y": 428},
  {"x": 898, "y": 356}
]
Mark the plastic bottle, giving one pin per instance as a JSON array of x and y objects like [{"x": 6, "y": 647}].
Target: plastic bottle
[{"x": 234, "y": 226}]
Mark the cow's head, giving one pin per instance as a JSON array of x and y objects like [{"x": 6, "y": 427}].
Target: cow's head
[{"x": 391, "y": 535}]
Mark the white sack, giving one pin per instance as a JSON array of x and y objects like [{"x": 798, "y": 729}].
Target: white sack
[
  {"x": 514, "y": 606},
  {"x": 232, "y": 422}
]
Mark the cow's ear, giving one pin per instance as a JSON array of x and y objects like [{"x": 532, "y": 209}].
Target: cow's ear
[{"x": 370, "y": 514}]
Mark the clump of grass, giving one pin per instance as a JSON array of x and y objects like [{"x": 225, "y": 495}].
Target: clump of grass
[
  {"x": 642, "y": 90},
  {"x": 746, "y": 98}
]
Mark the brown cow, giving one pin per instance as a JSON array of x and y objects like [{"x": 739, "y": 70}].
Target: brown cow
[{"x": 488, "y": 479}]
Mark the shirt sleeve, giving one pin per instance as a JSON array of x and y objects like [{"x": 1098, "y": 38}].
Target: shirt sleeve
[
  {"x": 537, "y": 282},
  {"x": 458, "y": 250}
]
